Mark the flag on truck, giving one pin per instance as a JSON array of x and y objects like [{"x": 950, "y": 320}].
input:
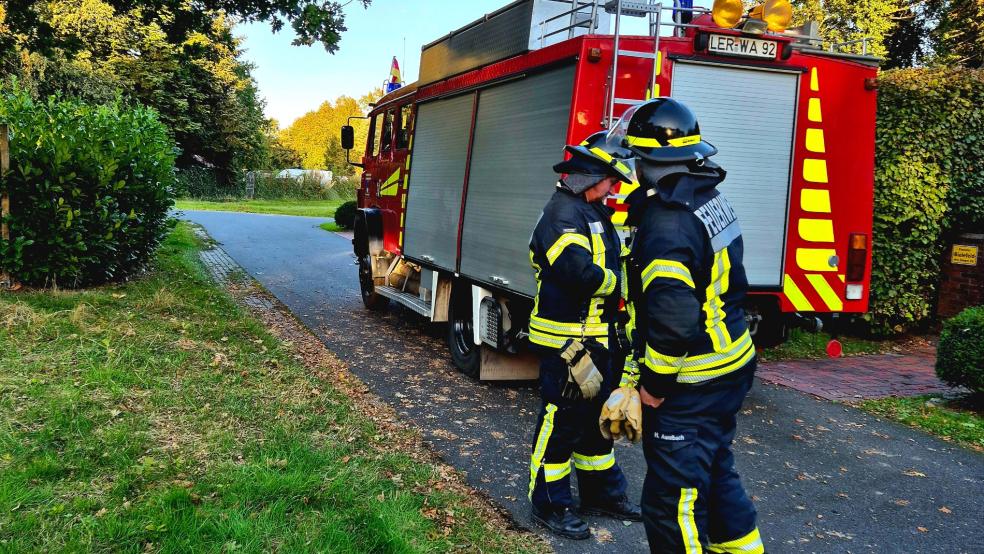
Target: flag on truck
[{"x": 396, "y": 81}]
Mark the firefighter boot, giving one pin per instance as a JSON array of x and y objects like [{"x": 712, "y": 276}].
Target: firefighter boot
[
  {"x": 621, "y": 508},
  {"x": 560, "y": 521}
]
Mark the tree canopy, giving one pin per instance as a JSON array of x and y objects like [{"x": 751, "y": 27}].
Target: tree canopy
[{"x": 315, "y": 135}]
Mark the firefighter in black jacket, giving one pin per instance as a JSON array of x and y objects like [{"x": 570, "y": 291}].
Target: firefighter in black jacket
[
  {"x": 686, "y": 285},
  {"x": 574, "y": 251}
]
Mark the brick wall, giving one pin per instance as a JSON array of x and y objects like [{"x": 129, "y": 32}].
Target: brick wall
[{"x": 961, "y": 285}]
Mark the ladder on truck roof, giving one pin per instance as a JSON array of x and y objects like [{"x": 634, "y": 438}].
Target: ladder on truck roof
[{"x": 584, "y": 14}]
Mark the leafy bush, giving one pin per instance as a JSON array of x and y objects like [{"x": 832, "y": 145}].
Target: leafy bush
[
  {"x": 960, "y": 356},
  {"x": 90, "y": 187},
  {"x": 345, "y": 214},
  {"x": 202, "y": 184},
  {"x": 927, "y": 186}
]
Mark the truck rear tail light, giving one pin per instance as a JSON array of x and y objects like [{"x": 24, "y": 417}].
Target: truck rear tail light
[{"x": 857, "y": 256}]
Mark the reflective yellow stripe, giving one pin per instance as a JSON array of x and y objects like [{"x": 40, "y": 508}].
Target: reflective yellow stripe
[
  {"x": 669, "y": 269},
  {"x": 594, "y": 463},
  {"x": 815, "y": 171},
  {"x": 813, "y": 112},
  {"x": 816, "y": 230},
  {"x": 654, "y": 143},
  {"x": 618, "y": 165},
  {"x": 814, "y": 141},
  {"x": 814, "y": 81},
  {"x": 691, "y": 377},
  {"x": 661, "y": 363},
  {"x": 749, "y": 544},
  {"x": 828, "y": 295},
  {"x": 815, "y": 259},
  {"x": 815, "y": 200},
  {"x": 571, "y": 329},
  {"x": 713, "y": 305},
  {"x": 546, "y": 340},
  {"x": 556, "y": 472},
  {"x": 536, "y": 460},
  {"x": 391, "y": 185},
  {"x": 630, "y": 373},
  {"x": 795, "y": 295},
  {"x": 563, "y": 242},
  {"x": 685, "y": 519},
  {"x": 598, "y": 250},
  {"x": 607, "y": 285},
  {"x": 713, "y": 359}
]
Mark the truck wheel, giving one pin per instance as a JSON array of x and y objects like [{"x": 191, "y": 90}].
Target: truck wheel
[
  {"x": 466, "y": 355},
  {"x": 773, "y": 329},
  {"x": 372, "y": 299}
]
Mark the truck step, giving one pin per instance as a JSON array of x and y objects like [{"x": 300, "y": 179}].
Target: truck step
[{"x": 411, "y": 301}]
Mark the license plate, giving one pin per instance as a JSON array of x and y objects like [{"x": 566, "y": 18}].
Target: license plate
[{"x": 743, "y": 46}]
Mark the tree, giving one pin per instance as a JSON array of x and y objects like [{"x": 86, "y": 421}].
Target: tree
[
  {"x": 848, "y": 20},
  {"x": 313, "y": 21},
  {"x": 959, "y": 35},
  {"x": 315, "y": 135},
  {"x": 203, "y": 92}
]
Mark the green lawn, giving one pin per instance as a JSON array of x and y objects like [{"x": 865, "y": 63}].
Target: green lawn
[
  {"x": 315, "y": 208},
  {"x": 159, "y": 416},
  {"x": 806, "y": 345},
  {"x": 960, "y": 420},
  {"x": 332, "y": 227}
]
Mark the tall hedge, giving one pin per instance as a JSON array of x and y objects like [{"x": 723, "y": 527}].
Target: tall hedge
[
  {"x": 929, "y": 185},
  {"x": 90, "y": 187}
]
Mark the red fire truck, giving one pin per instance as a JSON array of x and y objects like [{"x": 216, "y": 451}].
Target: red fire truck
[{"x": 457, "y": 166}]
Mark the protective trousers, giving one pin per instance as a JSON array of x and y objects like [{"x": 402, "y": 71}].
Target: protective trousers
[
  {"x": 693, "y": 500},
  {"x": 567, "y": 431}
]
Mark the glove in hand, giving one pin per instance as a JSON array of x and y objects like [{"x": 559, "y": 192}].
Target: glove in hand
[
  {"x": 582, "y": 369},
  {"x": 621, "y": 415}
]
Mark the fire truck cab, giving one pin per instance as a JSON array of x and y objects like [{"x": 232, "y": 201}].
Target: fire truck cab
[{"x": 458, "y": 165}]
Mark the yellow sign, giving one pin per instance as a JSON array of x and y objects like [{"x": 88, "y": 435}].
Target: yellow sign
[{"x": 964, "y": 255}]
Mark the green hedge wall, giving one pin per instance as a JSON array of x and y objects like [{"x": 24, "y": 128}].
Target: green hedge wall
[
  {"x": 960, "y": 356},
  {"x": 929, "y": 185},
  {"x": 90, "y": 187}
]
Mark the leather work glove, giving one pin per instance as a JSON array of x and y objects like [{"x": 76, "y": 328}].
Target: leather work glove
[
  {"x": 582, "y": 370},
  {"x": 622, "y": 415}
]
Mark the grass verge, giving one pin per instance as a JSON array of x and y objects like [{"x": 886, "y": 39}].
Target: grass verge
[
  {"x": 160, "y": 416},
  {"x": 313, "y": 208},
  {"x": 332, "y": 227},
  {"x": 805, "y": 345},
  {"x": 960, "y": 420}
]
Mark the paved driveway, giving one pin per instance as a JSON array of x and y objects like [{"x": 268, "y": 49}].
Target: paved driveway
[{"x": 825, "y": 477}]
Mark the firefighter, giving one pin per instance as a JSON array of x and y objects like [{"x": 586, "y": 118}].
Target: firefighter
[
  {"x": 574, "y": 251},
  {"x": 686, "y": 287}
]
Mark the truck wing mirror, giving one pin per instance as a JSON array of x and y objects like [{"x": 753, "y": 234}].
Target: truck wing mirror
[{"x": 348, "y": 137}]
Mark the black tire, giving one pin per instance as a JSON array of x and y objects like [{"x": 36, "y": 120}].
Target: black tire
[
  {"x": 372, "y": 299},
  {"x": 466, "y": 355},
  {"x": 773, "y": 329}
]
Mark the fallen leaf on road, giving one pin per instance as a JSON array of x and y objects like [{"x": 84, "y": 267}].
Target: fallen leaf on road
[
  {"x": 922, "y": 529},
  {"x": 901, "y": 502},
  {"x": 946, "y": 510},
  {"x": 913, "y": 473},
  {"x": 602, "y": 535},
  {"x": 497, "y": 435}
]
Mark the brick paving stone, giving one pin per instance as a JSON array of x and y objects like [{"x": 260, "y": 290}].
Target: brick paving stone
[{"x": 860, "y": 377}]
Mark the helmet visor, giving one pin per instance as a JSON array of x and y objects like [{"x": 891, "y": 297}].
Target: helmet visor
[{"x": 616, "y": 135}]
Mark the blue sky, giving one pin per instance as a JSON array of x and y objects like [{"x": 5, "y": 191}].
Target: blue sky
[{"x": 297, "y": 79}]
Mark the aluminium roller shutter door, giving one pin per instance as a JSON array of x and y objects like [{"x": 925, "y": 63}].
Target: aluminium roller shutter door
[
  {"x": 750, "y": 116},
  {"x": 440, "y": 151},
  {"x": 520, "y": 132}
]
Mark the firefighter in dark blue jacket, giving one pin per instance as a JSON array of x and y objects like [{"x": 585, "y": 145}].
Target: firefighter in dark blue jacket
[
  {"x": 696, "y": 360},
  {"x": 574, "y": 251}
]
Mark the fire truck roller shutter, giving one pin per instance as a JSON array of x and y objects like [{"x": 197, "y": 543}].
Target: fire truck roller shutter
[
  {"x": 520, "y": 133},
  {"x": 440, "y": 149},
  {"x": 749, "y": 115}
]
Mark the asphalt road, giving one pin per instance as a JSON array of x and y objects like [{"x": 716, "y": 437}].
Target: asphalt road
[{"x": 825, "y": 477}]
